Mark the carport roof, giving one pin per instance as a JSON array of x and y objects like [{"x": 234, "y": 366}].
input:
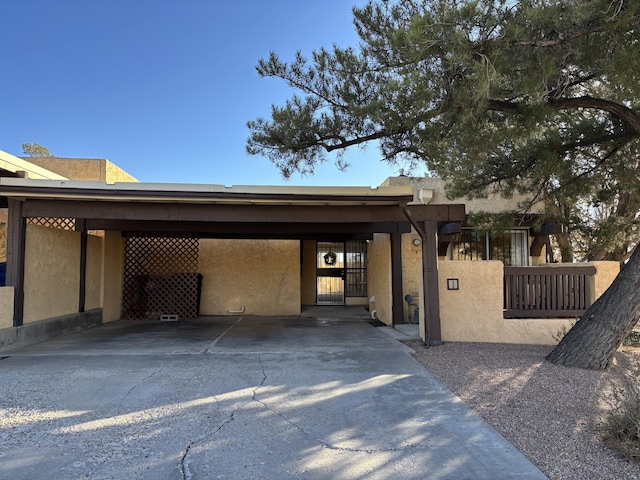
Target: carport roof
[
  {"x": 225, "y": 212},
  {"x": 203, "y": 193}
]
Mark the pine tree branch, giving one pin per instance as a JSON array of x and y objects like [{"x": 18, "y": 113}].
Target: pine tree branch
[
  {"x": 619, "y": 111},
  {"x": 562, "y": 38}
]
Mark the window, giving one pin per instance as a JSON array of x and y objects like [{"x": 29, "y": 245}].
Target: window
[{"x": 510, "y": 247}]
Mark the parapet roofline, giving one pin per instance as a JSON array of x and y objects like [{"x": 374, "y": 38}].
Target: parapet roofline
[{"x": 205, "y": 193}]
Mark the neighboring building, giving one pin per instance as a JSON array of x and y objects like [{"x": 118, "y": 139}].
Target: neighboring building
[{"x": 87, "y": 169}]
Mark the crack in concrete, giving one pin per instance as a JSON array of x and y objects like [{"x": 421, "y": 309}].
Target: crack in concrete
[
  {"x": 330, "y": 446},
  {"x": 124, "y": 397},
  {"x": 183, "y": 465},
  {"x": 324, "y": 444},
  {"x": 266, "y": 405}
]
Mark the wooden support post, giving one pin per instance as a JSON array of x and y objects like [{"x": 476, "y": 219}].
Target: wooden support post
[
  {"x": 82, "y": 287},
  {"x": 16, "y": 235},
  {"x": 432, "y": 333},
  {"x": 397, "y": 311}
]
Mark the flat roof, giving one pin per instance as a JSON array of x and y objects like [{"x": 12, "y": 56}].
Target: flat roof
[{"x": 203, "y": 193}]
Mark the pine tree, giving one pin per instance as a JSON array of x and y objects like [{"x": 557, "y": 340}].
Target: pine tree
[{"x": 538, "y": 97}]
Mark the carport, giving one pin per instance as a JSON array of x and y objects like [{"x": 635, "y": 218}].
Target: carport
[{"x": 219, "y": 212}]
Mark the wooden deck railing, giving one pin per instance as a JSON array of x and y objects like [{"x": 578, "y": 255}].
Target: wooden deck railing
[{"x": 547, "y": 292}]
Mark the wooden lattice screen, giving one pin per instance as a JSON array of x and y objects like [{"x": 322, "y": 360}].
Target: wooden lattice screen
[
  {"x": 49, "y": 222},
  {"x": 161, "y": 277}
]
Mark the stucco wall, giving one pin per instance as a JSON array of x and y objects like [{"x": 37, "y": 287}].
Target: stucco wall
[
  {"x": 89, "y": 169},
  {"x": 379, "y": 254},
  {"x": 262, "y": 275},
  {"x": 112, "y": 271},
  {"x": 474, "y": 313},
  {"x": 494, "y": 203},
  {"x": 308, "y": 279},
  {"x": 6, "y": 307},
  {"x": 606, "y": 272},
  {"x": 94, "y": 273},
  {"x": 51, "y": 273},
  {"x": 411, "y": 270},
  {"x": 114, "y": 174}
]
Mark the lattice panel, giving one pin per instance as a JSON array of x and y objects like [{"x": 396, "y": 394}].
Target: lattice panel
[
  {"x": 160, "y": 277},
  {"x": 59, "y": 223}
]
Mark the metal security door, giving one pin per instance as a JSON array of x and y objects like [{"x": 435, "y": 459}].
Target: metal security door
[{"x": 330, "y": 273}]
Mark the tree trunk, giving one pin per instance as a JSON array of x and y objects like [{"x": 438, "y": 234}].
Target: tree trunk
[{"x": 594, "y": 339}]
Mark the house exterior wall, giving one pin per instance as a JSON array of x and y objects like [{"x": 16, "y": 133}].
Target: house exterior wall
[
  {"x": 474, "y": 313},
  {"x": 494, "y": 203},
  {"x": 379, "y": 255},
  {"x": 114, "y": 174},
  {"x": 262, "y": 275},
  {"x": 411, "y": 271},
  {"x": 89, "y": 169},
  {"x": 93, "y": 293},
  {"x": 112, "y": 274},
  {"x": 51, "y": 273}
]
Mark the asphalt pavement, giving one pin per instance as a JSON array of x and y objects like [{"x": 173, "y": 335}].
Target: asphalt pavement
[{"x": 311, "y": 397}]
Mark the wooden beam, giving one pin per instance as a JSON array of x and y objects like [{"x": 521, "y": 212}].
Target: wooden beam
[
  {"x": 397, "y": 310},
  {"x": 16, "y": 238},
  {"x": 432, "y": 330},
  {"x": 258, "y": 213},
  {"x": 249, "y": 230},
  {"x": 82, "y": 287}
]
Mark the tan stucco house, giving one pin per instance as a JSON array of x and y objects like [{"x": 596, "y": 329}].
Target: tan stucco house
[{"x": 87, "y": 244}]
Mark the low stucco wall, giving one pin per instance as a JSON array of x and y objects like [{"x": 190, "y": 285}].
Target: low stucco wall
[
  {"x": 606, "y": 272},
  {"x": 36, "y": 332},
  {"x": 6, "y": 307},
  {"x": 51, "y": 273},
  {"x": 262, "y": 275},
  {"x": 379, "y": 271},
  {"x": 474, "y": 313}
]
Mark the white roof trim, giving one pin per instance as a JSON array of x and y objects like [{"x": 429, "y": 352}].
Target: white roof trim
[{"x": 15, "y": 164}]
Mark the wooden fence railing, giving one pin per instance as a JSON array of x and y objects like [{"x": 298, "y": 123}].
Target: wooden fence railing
[{"x": 547, "y": 292}]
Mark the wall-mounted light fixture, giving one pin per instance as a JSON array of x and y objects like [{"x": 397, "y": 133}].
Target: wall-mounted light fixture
[{"x": 453, "y": 284}]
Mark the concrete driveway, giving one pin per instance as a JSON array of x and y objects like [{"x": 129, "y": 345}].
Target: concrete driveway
[{"x": 238, "y": 398}]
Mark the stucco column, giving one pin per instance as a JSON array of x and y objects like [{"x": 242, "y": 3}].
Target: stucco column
[
  {"x": 16, "y": 234},
  {"x": 432, "y": 334}
]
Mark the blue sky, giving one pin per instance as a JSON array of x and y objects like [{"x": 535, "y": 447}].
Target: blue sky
[{"x": 162, "y": 88}]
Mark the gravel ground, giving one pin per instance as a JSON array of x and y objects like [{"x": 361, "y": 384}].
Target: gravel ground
[{"x": 550, "y": 413}]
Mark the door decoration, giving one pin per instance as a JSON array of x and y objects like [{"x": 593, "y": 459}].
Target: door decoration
[{"x": 330, "y": 258}]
